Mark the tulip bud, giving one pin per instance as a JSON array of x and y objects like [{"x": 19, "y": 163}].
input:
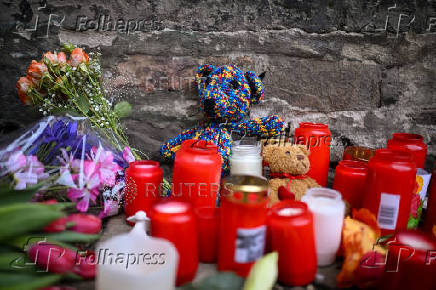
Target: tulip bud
[
  {"x": 370, "y": 269},
  {"x": 56, "y": 226},
  {"x": 50, "y": 201},
  {"x": 85, "y": 223},
  {"x": 86, "y": 268},
  {"x": 52, "y": 258}
]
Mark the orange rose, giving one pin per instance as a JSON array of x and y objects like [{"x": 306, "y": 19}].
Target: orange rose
[
  {"x": 62, "y": 58},
  {"x": 36, "y": 69},
  {"x": 23, "y": 86},
  {"x": 53, "y": 58},
  {"x": 78, "y": 56}
]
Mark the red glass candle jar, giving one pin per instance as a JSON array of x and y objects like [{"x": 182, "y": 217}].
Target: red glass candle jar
[
  {"x": 143, "y": 181},
  {"x": 349, "y": 181},
  {"x": 430, "y": 218},
  {"x": 410, "y": 262},
  {"x": 197, "y": 173},
  {"x": 243, "y": 223},
  {"x": 208, "y": 224},
  {"x": 389, "y": 188},
  {"x": 358, "y": 153},
  {"x": 175, "y": 221},
  {"x": 412, "y": 143},
  {"x": 317, "y": 138},
  {"x": 292, "y": 236}
]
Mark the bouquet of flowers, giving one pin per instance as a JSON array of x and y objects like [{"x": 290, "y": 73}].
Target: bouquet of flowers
[
  {"x": 70, "y": 162},
  {"x": 58, "y": 84}
]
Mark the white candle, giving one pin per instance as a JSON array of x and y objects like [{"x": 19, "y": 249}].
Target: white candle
[
  {"x": 328, "y": 210},
  {"x": 245, "y": 159},
  {"x": 136, "y": 261}
]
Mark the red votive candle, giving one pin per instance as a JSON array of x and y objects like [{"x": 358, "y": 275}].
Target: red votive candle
[
  {"x": 143, "y": 180},
  {"x": 412, "y": 143},
  {"x": 317, "y": 138},
  {"x": 410, "y": 262},
  {"x": 175, "y": 221},
  {"x": 292, "y": 236},
  {"x": 208, "y": 223},
  {"x": 197, "y": 173},
  {"x": 389, "y": 188},
  {"x": 349, "y": 181},
  {"x": 243, "y": 223}
]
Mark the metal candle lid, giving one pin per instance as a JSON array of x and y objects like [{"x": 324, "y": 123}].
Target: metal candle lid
[{"x": 245, "y": 188}]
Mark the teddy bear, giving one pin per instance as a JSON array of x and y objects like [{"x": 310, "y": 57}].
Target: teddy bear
[
  {"x": 226, "y": 96},
  {"x": 288, "y": 165}
]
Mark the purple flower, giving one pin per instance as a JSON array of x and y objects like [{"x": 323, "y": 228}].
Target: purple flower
[
  {"x": 62, "y": 134},
  {"x": 127, "y": 155}
]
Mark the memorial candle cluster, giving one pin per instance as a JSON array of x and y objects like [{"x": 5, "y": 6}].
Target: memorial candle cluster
[{"x": 228, "y": 222}]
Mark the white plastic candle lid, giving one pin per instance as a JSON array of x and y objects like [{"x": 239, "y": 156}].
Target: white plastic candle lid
[{"x": 321, "y": 199}]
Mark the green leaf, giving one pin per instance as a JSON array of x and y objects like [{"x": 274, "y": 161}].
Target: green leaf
[
  {"x": 10, "y": 196},
  {"x": 83, "y": 104},
  {"x": 7, "y": 259},
  {"x": 220, "y": 281},
  {"x": 263, "y": 274},
  {"x": 24, "y": 241},
  {"x": 68, "y": 47},
  {"x": 123, "y": 109},
  {"x": 70, "y": 236},
  {"x": 83, "y": 67},
  {"x": 21, "y": 218},
  {"x": 20, "y": 281}
]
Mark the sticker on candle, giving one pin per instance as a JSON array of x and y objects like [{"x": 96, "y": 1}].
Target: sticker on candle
[
  {"x": 250, "y": 244},
  {"x": 388, "y": 211}
]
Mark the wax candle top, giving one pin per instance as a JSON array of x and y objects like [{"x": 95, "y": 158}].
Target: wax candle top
[
  {"x": 200, "y": 147},
  {"x": 354, "y": 165},
  {"x": 290, "y": 211},
  {"x": 393, "y": 155},
  {"x": 143, "y": 164},
  {"x": 240, "y": 150},
  {"x": 172, "y": 207},
  {"x": 408, "y": 137},
  {"x": 313, "y": 125}
]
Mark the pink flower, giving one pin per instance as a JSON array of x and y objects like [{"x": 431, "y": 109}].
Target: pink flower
[
  {"x": 51, "y": 57},
  {"x": 88, "y": 188},
  {"x": 24, "y": 84},
  {"x": 62, "y": 58},
  {"x": 110, "y": 209},
  {"x": 105, "y": 165},
  {"x": 127, "y": 155},
  {"x": 34, "y": 171},
  {"x": 78, "y": 56},
  {"x": 36, "y": 69},
  {"x": 16, "y": 161}
]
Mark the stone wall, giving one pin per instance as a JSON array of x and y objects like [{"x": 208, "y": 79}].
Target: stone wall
[{"x": 367, "y": 68}]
